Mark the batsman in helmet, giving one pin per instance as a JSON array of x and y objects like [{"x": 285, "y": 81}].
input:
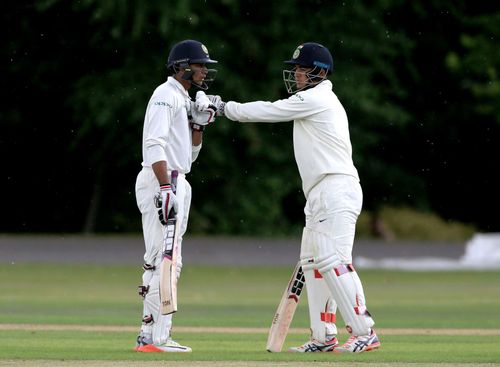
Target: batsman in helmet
[
  {"x": 171, "y": 141},
  {"x": 331, "y": 186}
]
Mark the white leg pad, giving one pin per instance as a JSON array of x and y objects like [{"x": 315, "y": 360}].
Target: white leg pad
[
  {"x": 160, "y": 328},
  {"x": 322, "y": 307},
  {"x": 346, "y": 288},
  {"x": 342, "y": 281}
]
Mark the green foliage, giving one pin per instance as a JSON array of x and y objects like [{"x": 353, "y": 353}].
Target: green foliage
[
  {"x": 109, "y": 103},
  {"x": 477, "y": 63},
  {"x": 403, "y": 223},
  {"x": 409, "y": 224},
  {"x": 412, "y": 77}
]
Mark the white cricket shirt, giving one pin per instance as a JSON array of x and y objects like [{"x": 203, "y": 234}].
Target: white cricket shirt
[
  {"x": 321, "y": 137},
  {"x": 166, "y": 134}
]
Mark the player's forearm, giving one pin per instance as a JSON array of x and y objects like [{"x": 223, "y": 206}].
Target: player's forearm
[
  {"x": 161, "y": 173},
  {"x": 197, "y": 137}
]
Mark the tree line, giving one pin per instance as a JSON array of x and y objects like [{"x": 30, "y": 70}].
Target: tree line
[{"x": 419, "y": 81}]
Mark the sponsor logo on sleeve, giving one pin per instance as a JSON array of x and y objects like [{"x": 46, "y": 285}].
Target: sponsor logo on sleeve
[
  {"x": 164, "y": 104},
  {"x": 297, "y": 95}
]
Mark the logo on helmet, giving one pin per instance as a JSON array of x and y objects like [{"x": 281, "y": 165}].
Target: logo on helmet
[
  {"x": 296, "y": 52},
  {"x": 321, "y": 65},
  {"x": 204, "y": 48}
]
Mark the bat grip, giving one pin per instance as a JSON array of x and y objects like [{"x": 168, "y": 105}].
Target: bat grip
[
  {"x": 173, "y": 183},
  {"x": 173, "y": 180}
]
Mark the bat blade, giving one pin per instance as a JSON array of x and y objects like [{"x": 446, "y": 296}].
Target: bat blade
[
  {"x": 285, "y": 311},
  {"x": 168, "y": 271},
  {"x": 168, "y": 266}
]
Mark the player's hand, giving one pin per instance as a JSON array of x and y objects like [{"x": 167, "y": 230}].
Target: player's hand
[
  {"x": 218, "y": 103},
  {"x": 204, "y": 111},
  {"x": 166, "y": 202}
]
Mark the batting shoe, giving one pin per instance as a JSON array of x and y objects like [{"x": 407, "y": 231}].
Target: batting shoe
[
  {"x": 316, "y": 346},
  {"x": 170, "y": 346},
  {"x": 142, "y": 340},
  {"x": 361, "y": 343}
]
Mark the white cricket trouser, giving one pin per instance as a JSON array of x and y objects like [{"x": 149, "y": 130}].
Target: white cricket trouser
[
  {"x": 146, "y": 188},
  {"x": 331, "y": 210}
]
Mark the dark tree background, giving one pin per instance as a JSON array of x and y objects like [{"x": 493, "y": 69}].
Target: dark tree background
[{"x": 419, "y": 81}]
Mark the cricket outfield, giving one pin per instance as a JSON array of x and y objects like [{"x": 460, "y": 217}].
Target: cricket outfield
[{"x": 88, "y": 314}]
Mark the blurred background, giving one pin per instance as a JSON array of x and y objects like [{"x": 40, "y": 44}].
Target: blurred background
[{"x": 419, "y": 81}]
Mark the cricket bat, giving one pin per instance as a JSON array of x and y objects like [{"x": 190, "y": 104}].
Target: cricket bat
[
  {"x": 286, "y": 309},
  {"x": 168, "y": 266}
]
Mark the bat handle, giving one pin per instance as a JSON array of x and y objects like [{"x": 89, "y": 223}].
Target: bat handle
[
  {"x": 173, "y": 180},
  {"x": 173, "y": 183}
]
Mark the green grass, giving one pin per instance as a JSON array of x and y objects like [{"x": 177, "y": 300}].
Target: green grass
[{"x": 246, "y": 297}]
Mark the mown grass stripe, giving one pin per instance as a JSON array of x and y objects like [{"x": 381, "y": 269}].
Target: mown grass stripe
[{"x": 229, "y": 330}]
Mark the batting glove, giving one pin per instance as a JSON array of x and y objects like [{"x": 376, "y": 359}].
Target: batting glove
[
  {"x": 166, "y": 201},
  {"x": 203, "y": 112},
  {"x": 218, "y": 103}
]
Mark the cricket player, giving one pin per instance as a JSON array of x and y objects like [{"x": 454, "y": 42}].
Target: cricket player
[
  {"x": 172, "y": 139},
  {"x": 333, "y": 194}
]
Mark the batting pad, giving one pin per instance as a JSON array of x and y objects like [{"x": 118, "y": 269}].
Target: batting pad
[
  {"x": 161, "y": 323},
  {"x": 322, "y": 307},
  {"x": 346, "y": 288},
  {"x": 342, "y": 281}
]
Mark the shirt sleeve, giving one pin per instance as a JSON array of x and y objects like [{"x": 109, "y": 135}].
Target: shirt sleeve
[
  {"x": 295, "y": 107},
  {"x": 159, "y": 119}
]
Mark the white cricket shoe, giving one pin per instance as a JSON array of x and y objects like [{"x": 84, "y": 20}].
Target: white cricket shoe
[
  {"x": 171, "y": 346},
  {"x": 316, "y": 346},
  {"x": 360, "y": 343}
]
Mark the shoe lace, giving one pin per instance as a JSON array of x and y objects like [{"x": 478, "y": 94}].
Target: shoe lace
[
  {"x": 311, "y": 346},
  {"x": 351, "y": 340},
  {"x": 309, "y": 343}
]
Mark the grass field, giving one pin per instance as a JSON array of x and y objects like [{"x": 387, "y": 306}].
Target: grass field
[{"x": 89, "y": 316}]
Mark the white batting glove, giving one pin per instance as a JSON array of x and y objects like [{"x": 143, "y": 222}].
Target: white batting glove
[
  {"x": 202, "y": 102},
  {"x": 203, "y": 112},
  {"x": 203, "y": 118},
  {"x": 218, "y": 103},
  {"x": 166, "y": 201}
]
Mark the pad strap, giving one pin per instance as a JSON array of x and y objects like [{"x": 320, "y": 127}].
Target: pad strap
[
  {"x": 148, "y": 319},
  {"x": 147, "y": 267},
  {"x": 342, "y": 269},
  {"x": 143, "y": 290},
  {"x": 328, "y": 317}
]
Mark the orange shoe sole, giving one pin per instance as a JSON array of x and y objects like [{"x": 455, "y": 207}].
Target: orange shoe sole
[{"x": 149, "y": 348}]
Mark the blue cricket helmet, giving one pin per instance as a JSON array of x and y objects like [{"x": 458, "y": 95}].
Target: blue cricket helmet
[
  {"x": 312, "y": 54},
  {"x": 189, "y": 52}
]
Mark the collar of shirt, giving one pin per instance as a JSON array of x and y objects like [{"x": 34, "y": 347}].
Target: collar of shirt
[
  {"x": 326, "y": 84},
  {"x": 178, "y": 85}
]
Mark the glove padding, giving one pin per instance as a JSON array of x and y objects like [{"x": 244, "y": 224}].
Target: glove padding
[
  {"x": 218, "y": 103},
  {"x": 166, "y": 201},
  {"x": 204, "y": 111}
]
